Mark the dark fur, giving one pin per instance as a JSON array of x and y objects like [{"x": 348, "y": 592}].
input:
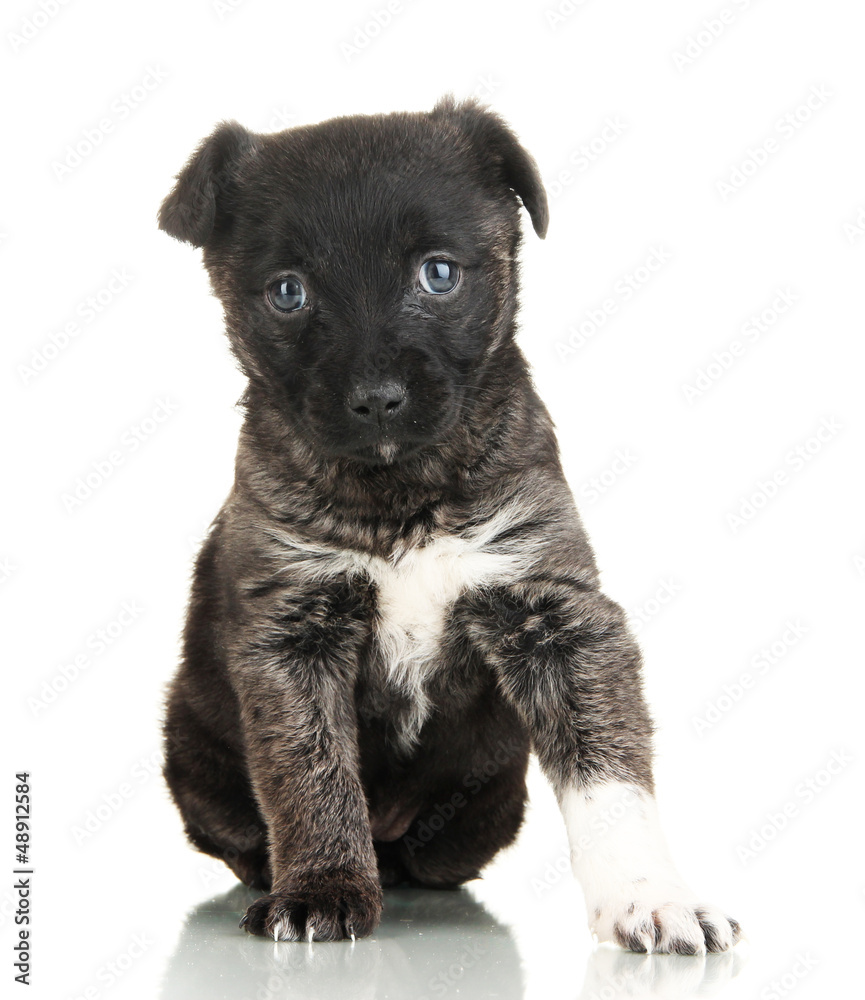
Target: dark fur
[{"x": 281, "y": 736}]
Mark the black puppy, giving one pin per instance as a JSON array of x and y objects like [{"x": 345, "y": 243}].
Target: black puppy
[{"x": 398, "y": 601}]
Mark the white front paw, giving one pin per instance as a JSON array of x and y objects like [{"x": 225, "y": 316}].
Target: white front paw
[{"x": 651, "y": 916}]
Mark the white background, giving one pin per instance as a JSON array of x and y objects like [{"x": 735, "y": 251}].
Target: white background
[{"x": 707, "y": 594}]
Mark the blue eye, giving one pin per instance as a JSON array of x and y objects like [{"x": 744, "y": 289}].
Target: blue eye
[
  {"x": 287, "y": 294},
  {"x": 439, "y": 276}
]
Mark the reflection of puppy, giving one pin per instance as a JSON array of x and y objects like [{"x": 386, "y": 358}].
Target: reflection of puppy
[
  {"x": 429, "y": 943},
  {"x": 397, "y": 599}
]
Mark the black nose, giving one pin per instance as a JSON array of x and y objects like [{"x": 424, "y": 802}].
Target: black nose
[{"x": 376, "y": 403}]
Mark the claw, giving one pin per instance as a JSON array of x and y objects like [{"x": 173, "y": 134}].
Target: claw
[{"x": 243, "y": 919}]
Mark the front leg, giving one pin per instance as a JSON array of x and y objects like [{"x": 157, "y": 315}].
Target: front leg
[
  {"x": 294, "y": 669},
  {"x": 565, "y": 659}
]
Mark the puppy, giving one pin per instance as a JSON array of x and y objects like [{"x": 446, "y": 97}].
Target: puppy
[{"x": 397, "y": 601}]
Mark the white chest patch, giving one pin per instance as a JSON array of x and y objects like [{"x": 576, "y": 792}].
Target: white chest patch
[
  {"x": 415, "y": 590},
  {"x": 415, "y": 594}
]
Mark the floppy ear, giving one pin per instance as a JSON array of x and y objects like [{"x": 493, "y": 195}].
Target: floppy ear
[
  {"x": 497, "y": 143},
  {"x": 204, "y": 185}
]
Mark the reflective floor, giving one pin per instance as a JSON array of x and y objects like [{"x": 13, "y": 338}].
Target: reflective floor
[
  {"x": 429, "y": 944},
  {"x": 135, "y": 914}
]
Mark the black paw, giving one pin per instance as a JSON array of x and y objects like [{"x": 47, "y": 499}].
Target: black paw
[{"x": 318, "y": 906}]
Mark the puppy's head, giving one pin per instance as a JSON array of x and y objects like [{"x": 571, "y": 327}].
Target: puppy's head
[{"x": 367, "y": 266}]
